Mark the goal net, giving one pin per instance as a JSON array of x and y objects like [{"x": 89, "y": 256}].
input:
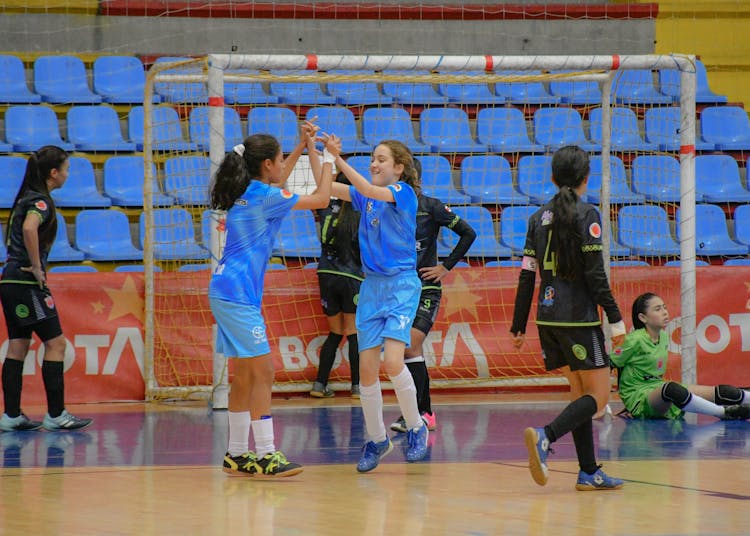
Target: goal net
[{"x": 484, "y": 129}]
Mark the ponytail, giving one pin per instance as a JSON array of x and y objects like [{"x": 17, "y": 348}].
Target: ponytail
[
  {"x": 640, "y": 305},
  {"x": 570, "y": 167}
]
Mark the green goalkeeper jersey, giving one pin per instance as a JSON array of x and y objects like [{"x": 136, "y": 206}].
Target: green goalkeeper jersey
[{"x": 642, "y": 364}]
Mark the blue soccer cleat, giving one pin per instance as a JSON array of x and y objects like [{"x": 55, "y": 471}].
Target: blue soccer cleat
[
  {"x": 372, "y": 453},
  {"x": 538, "y": 447},
  {"x": 416, "y": 438},
  {"x": 597, "y": 481}
]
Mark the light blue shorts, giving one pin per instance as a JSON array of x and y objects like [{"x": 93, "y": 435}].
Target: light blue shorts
[
  {"x": 386, "y": 309},
  {"x": 241, "y": 330}
]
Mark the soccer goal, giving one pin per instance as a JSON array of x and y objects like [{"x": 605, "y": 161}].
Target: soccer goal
[{"x": 484, "y": 129}]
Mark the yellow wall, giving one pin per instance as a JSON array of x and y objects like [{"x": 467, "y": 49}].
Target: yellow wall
[{"x": 718, "y": 32}]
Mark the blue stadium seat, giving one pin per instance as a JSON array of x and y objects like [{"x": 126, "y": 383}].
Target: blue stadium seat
[
  {"x": 198, "y": 267},
  {"x": 72, "y": 269},
  {"x": 711, "y": 233},
  {"x": 199, "y": 128},
  {"x": 742, "y": 224},
  {"x": 281, "y": 123},
  {"x": 504, "y": 131},
  {"x": 486, "y": 244},
  {"x": 677, "y": 262},
  {"x": 61, "y": 250},
  {"x": 625, "y": 132},
  {"x": 487, "y": 179},
  {"x": 298, "y": 236},
  {"x": 12, "y": 170},
  {"x": 120, "y": 79},
  {"x": 615, "y": 248},
  {"x": 514, "y": 223},
  {"x": 246, "y": 92},
  {"x": 181, "y": 92},
  {"x": 186, "y": 179},
  {"x": 658, "y": 178},
  {"x": 13, "y": 88},
  {"x": 134, "y": 268},
  {"x": 361, "y": 164},
  {"x": 535, "y": 178},
  {"x": 669, "y": 84},
  {"x": 737, "y": 262},
  {"x": 62, "y": 79},
  {"x": 717, "y": 179},
  {"x": 507, "y": 263},
  {"x": 636, "y": 86},
  {"x": 174, "y": 236},
  {"x": 275, "y": 266},
  {"x": 645, "y": 230},
  {"x": 557, "y": 127},
  {"x": 627, "y": 263},
  {"x": 123, "y": 182},
  {"x": 80, "y": 189},
  {"x": 662, "y": 126},
  {"x": 29, "y": 127},
  {"x": 447, "y": 130},
  {"x": 531, "y": 92},
  {"x": 165, "y": 128},
  {"x": 619, "y": 190},
  {"x": 410, "y": 92},
  {"x": 437, "y": 180},
  {"x": 356, "y": 93},
  {"x": 5, "y": 147},
  {"x": 340, "y": 121},
  {"x": 104, "y": 235},
  {"x": 726, "y": 126},
  {"x": 380, "y": 124},
  {"x": 96, "y": 128},
  {"x": 575, "y": 92},
  {"x": 470, "y": 93},
  {"x": 299, "y": 92}
]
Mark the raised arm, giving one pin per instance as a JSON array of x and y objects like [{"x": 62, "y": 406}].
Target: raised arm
[
  {"x": 363, "y": 186},
  {"x": 307, "y": 139},
  {"x": 322, "y": 194}
]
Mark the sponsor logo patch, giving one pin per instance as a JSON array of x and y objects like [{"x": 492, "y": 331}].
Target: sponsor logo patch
[
  {"x": 49, "y": 302},
  {"x": 286, "y": 194},
  {"x": 547, "y": 217},
  {"x": 22, "y": 311},
  {"x": 579, "y": 351},
  {"x": 41, "y": 205},
  {"x": 595, "y": 230},
  {"x": 397, "y": 187}
]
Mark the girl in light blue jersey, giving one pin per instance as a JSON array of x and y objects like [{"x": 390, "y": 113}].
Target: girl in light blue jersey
[
  {"x": 247, "y": 186},
  {"x": 389, "y": 295}
]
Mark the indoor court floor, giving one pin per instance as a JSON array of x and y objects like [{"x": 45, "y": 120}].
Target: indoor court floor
[{"x": 154, "y": 469}]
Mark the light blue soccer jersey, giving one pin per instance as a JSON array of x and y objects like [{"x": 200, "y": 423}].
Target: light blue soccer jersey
[
  {"x": 387, "y": 231},
  {"x": 252, "y": 224}
]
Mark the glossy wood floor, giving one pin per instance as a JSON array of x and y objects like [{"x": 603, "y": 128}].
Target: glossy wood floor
[{"x": 154, "y": 469}]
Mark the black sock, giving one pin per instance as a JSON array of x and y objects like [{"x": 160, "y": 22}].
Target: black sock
[
  {"x": 421, "y": 377},
  {"x": 583, "y": 437},
  {"x": 54, "y": 385},
  {"x": 354, "y": 357},
  {"x": 12, "y": 383},
  {"x": 575, "y": 414},
  {"x": 328, "y": 356}
]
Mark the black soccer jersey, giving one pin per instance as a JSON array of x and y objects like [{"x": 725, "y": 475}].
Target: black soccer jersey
[
  {"x": 431, "y": 215},
  {"x": 332, "y": 259},
  {"x": 31, "y": 203},
  {"x": 567, "y": 302}
]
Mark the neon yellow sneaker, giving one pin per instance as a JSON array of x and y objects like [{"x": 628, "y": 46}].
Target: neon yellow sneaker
[
  {"x": 275, "y": 464},
  {"x": 243, "y": 464}
]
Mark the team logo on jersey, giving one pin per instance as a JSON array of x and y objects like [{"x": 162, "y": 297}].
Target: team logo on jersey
[
  {"x": 579, "y": 351},
  {"x": 22, "y": 311},
  {"x": 222, "y": 225},
  {"x": 369, "y": 206},
  {"x": 49, "y": 302},
  {"x": 549, "y": 296},
  {"x": 241, "y": 202},
  {"x": 286, "y": 194},
  {"x": 375, "y": 222},
  {"x": 448, "y": 209},
  {"x": 397, "y": 187},
  {"x": 595, "y": 230},
  {"x": 660, "y": 364},
  {"x": 41, "y": 205},
  {"x": 547, "y": 217}
]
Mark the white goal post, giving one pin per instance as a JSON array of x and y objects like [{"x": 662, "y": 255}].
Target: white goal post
[{"x": 215, "y": 70}]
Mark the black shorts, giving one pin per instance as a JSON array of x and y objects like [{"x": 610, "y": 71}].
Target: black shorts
[
  {"x": 580, "y": 348},
  {"x": 338, "y": 293},
  {"x": 29, "y": 309},
  {"x": 429, "y": 305}
]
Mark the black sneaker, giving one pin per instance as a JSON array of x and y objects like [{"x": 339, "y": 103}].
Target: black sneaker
[
  {"x": 275, "y": 464},
  {"x": 321, "y": 391},
  {"x": 242, "y": 464},
  {"x": 399, "y": 425},
  {"x": 736, "y": 413}
]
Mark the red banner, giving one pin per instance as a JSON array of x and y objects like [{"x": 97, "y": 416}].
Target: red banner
[{"x": 102, "y": 318}]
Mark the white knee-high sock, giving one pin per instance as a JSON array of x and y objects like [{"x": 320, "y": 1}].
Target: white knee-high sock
[
  {"x": 239, "y": 432},
  {"x": 701, "y": 405},
  {"x": 371, "y": 399},
  {"x": 263, "y": 435},
  {"x": 406, "y": 393}
]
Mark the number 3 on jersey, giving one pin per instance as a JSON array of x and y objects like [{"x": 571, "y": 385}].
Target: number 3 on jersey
[{"x": 550, "y": 258}]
